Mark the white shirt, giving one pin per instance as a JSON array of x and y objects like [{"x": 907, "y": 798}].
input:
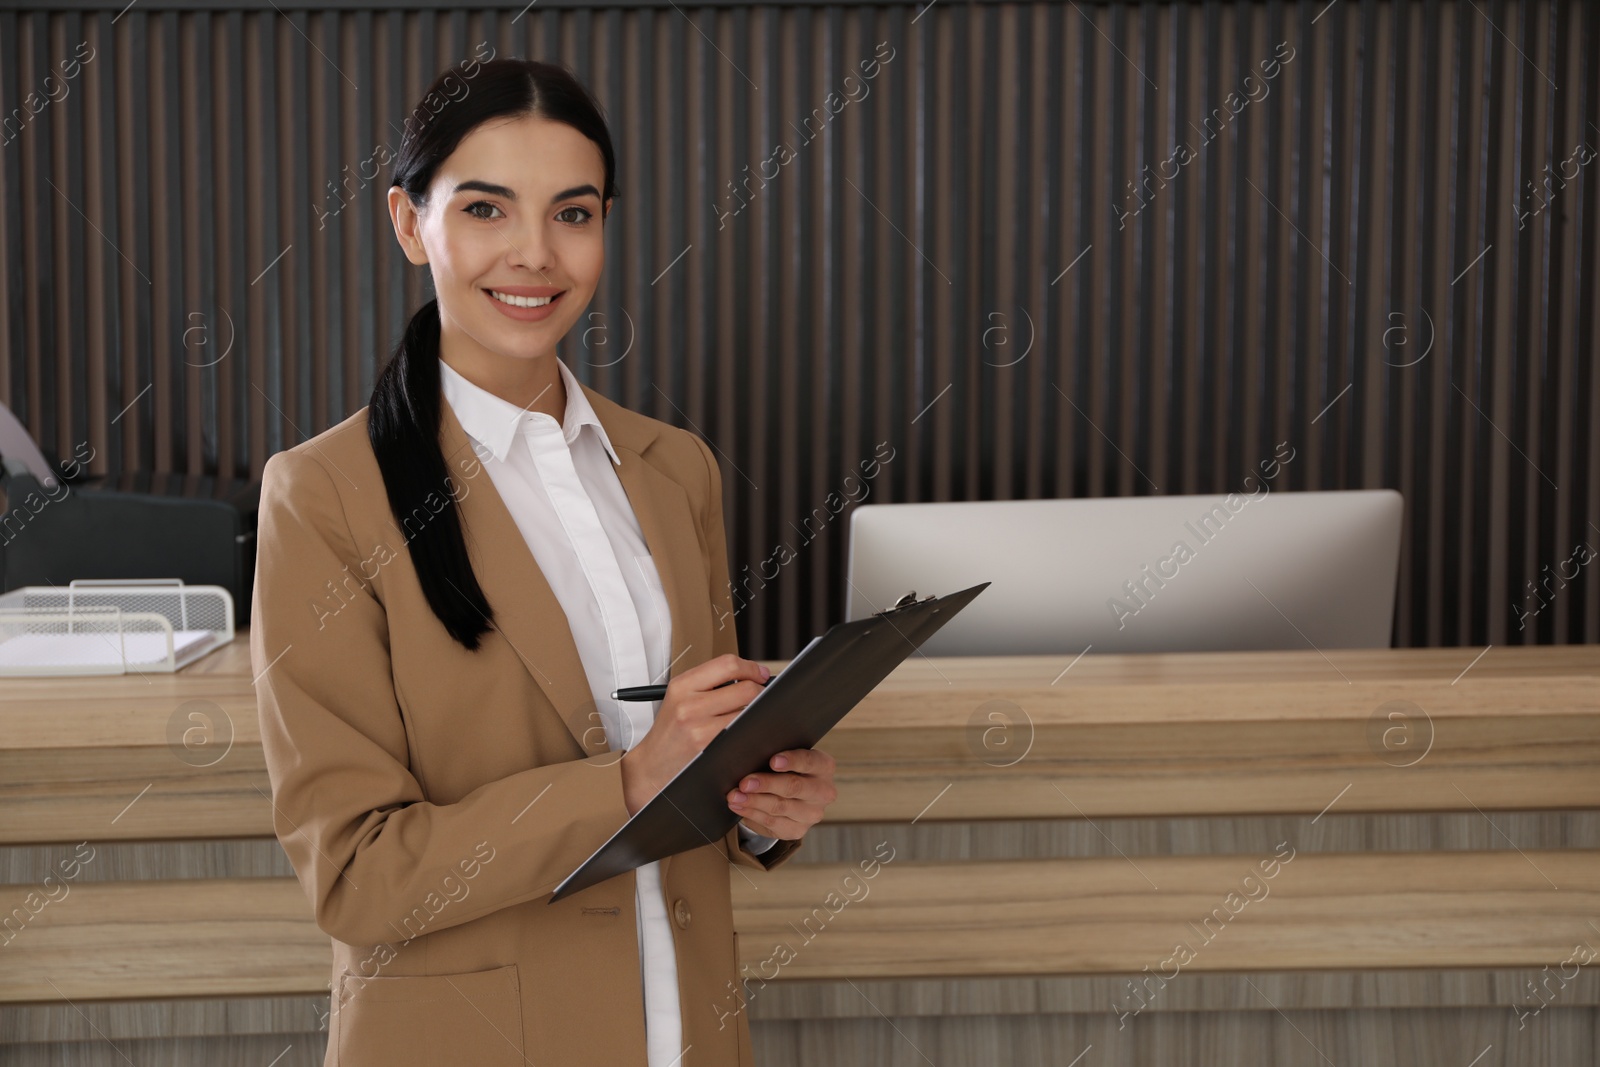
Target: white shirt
[{"x": 576, "y": 518}]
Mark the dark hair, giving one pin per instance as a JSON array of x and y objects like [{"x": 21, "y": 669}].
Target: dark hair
[{"x": 403, "y": 416}]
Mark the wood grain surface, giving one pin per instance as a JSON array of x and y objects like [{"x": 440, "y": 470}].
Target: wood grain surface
[{"x": 199, "y": 937}]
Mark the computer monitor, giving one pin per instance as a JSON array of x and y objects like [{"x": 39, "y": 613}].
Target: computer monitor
[{"x": 1268, "y": 570}]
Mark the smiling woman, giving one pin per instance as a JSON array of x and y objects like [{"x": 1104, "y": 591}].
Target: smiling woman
[{"x": 436, "y": 710}]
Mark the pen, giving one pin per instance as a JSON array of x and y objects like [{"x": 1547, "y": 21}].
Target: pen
[{"x": 651, "y": 692}]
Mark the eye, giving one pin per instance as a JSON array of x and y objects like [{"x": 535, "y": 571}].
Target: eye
[
  {"x": 585, "y": 212},
  {"x": 470, "y": 209}
]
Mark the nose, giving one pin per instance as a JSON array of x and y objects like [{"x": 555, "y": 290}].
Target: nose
[{"x": 527, "y": 247}]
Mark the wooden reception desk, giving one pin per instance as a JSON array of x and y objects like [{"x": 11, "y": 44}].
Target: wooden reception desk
[
  {"x": 179, "y": 756},
  {"x": 1050, "y": 820}
]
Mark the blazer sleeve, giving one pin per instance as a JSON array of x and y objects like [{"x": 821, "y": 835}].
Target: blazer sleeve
[
  {"x": 365, "y": 843},
  {"x": 725, "y": 638}
]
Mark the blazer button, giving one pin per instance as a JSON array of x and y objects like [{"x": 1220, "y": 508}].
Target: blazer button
[{"x": 680, "y": 911}]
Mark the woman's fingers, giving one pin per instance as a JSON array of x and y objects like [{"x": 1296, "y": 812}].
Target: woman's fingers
[
  {"x": 812, "y": 778},
  {"x": 728, "y": 668},
  {"x": 797, "y": 798},
  {"x": 803, "y": 761},
  {"x": 713, "y": 691}
]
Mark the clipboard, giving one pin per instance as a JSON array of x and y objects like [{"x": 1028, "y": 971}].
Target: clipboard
[{"x": 799, "y": 705}]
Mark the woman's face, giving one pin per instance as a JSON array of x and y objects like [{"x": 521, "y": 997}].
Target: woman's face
[{"x": 514, "y": 210}]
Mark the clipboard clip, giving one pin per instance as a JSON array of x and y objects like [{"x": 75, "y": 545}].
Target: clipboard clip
[{"x": 904, "y": 602}]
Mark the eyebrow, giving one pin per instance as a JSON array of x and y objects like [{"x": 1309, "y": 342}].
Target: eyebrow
[{"x": 502, "y": 191}]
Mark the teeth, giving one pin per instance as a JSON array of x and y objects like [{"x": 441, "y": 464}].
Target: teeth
[{"x": 523, "y": 301}]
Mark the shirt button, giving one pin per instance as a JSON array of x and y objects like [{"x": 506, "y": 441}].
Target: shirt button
[{"x": 680, "y": 911}]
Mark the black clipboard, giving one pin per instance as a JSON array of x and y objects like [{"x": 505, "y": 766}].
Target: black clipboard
[{"x": 799, "y": 705}]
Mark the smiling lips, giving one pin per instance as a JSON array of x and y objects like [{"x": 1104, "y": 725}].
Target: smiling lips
[{"x": 525, "y": 303}]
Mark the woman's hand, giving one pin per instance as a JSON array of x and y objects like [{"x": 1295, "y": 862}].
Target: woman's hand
[
  {"x": 788, "y": 803},
  {"x": 693, "y": 712}
]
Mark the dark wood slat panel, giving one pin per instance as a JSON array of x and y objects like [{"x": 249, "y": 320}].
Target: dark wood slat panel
[{"x": 852, "y": 302}]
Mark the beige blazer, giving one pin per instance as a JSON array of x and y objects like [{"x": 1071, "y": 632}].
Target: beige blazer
[{"x": 431, "y": 798}]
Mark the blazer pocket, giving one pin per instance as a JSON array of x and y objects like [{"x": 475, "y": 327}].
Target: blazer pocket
[{"x": 428, "y": 1020}]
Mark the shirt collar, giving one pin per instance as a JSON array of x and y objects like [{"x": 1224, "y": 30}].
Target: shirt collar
[{"x": 494, "y": 421}]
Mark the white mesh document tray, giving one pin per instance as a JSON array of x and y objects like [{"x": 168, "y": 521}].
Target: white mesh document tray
[{"x": 96, "y": 626}]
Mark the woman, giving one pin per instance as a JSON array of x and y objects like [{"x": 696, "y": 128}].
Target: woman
[{"x": 449, "y": 585}]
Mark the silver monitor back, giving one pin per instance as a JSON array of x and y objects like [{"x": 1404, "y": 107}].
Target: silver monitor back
[{"x": 1272, "y": 570}]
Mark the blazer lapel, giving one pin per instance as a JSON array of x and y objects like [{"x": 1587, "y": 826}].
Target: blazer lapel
[{"x": 526, "y": 610}]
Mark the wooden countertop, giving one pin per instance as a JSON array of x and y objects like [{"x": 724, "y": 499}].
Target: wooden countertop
[{"x": 985, "y": 737}]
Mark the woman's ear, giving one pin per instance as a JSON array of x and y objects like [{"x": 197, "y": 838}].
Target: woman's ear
[
  {"x": 605, "y": 212},
  {"x": 403, "y": 213}
]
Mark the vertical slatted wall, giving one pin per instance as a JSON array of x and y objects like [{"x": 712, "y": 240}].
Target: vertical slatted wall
[{"x": 991, "y": 260}]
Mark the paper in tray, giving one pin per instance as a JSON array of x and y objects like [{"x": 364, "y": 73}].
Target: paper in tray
[
  {"x": 105, "y": 650},
  {"x": 111, "y": 626}
]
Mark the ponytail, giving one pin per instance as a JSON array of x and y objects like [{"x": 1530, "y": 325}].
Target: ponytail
[{"x": 403, "y": 419}]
